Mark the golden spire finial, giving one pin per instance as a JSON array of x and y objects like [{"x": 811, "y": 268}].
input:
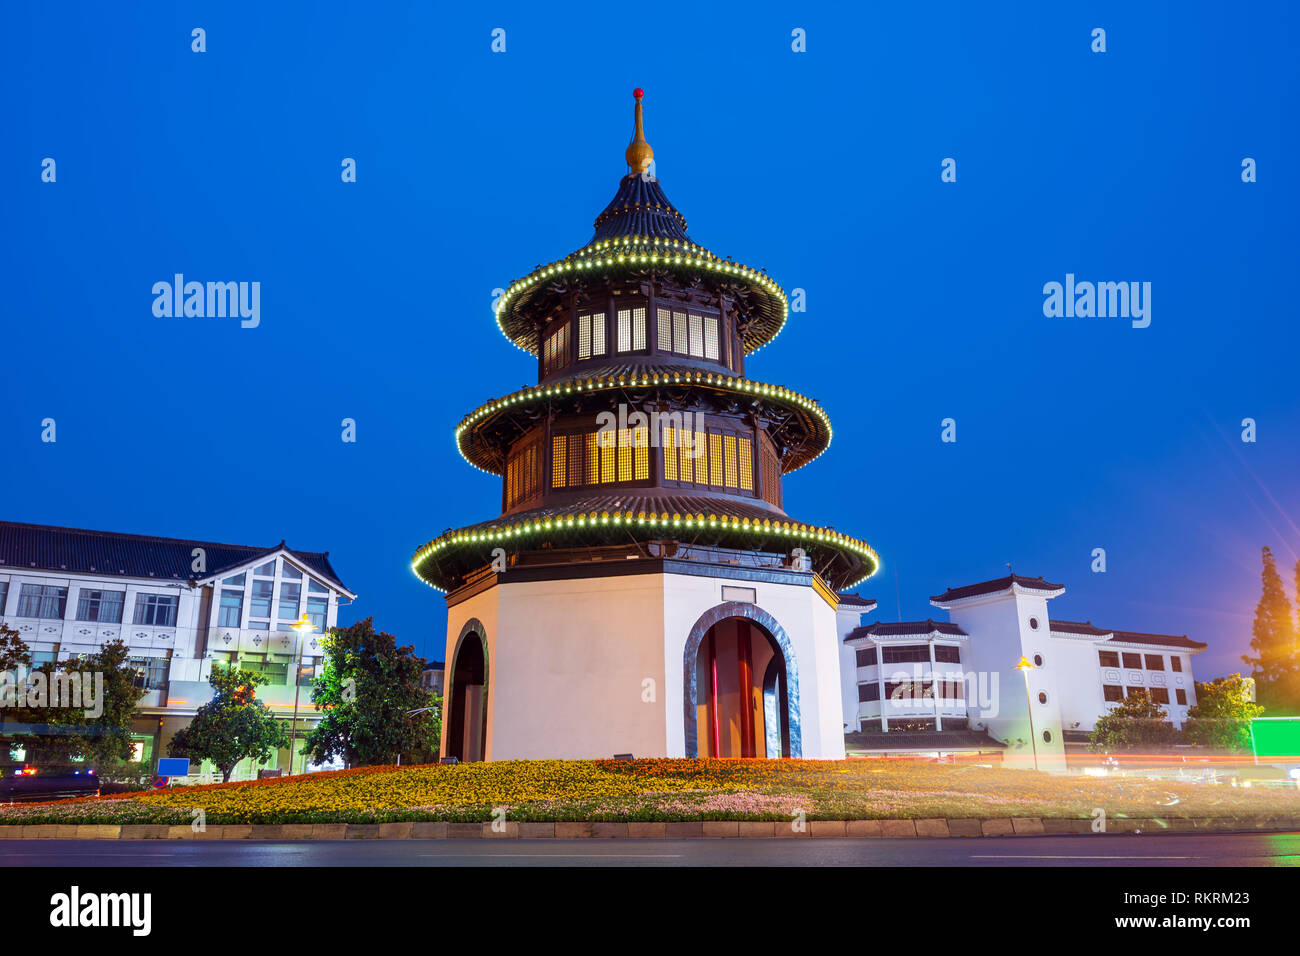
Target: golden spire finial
[{"x": 639, "y": 154}]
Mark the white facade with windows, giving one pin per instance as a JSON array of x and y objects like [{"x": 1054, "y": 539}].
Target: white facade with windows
[
  {"x": 964, "y": 673},
  {"x": 180, "y": 606}
]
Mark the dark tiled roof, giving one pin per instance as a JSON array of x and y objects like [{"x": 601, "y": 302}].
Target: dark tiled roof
[
  {"x": 449, "y": 559},
  {"x": 49, "y": 548},
  {"x": 856, "y": 600},
  {"x": 1160, "y": 640},
  {"x": 908, "y": 740},
  {"x": 905, "y": 628},
  {"x": 1077, "y": 627},
  {"x": 995, "y": 586},
  {"x": 639, "y": 208}
]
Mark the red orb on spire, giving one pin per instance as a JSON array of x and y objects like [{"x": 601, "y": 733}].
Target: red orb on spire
[{"x": 638, "y": 92}]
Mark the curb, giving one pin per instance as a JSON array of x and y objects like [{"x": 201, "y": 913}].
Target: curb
[{"x": 696, "y": 829}]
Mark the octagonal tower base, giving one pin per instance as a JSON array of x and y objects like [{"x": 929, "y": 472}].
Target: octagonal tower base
[{"x": 652, "y": 657}]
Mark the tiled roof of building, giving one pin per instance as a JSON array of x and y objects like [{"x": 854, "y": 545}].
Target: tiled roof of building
[
  {"x": 640, "y": 208},
  {"x": 856, "y": 600},
  {"x": 995, "y": 586},
  {"x": 905, "y": 629},
  {"x": 112, "y": 553},
  {"x": 1078, "y": 627},
  {"x": 1159, "y": 640}
]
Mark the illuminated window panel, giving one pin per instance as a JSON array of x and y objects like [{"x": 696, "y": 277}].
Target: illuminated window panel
[
  {"x": 679, "y": 332},
  {"x": 608, "y": 453},
  {"x": 593, "y": 460},
  {"x": 625, "y": 454},
  {"x": 729, "y": 449},
  {"x": 746, "y": 465},
  {"x": 711, "y": 337},
  {"x": 669, "y": 442},
  {"x": 638, "y": 329},
  {"x": 715, "y": 458},
  {"x": 664, "y": 324},
  {"x": 625, "y": 330},
  {"x": 559, "y": 461},
  {"x": 687, "y": 462},
  {"x": 696, "y": 326},
  {"x": 584, "y": 337},
  {"x": 598, "y": 333},
  {"x": 575, "y": 460},
  {"x": 640, "y": 441}
]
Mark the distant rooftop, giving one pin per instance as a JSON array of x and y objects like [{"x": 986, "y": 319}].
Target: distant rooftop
[
  {"x": 996, "y": 586},
  {"x": 905, "y": 629}
]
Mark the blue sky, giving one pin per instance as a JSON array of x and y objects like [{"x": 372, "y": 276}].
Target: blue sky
[{"x": 924, "y": 298}]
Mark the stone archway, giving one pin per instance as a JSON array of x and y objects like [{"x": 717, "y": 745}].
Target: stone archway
[
  {"x": 465, "y": 702},
  {"x": 787, "y": 716}
]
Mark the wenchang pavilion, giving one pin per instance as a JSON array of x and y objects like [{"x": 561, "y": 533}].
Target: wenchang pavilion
[{"x": 643, "y": 590}]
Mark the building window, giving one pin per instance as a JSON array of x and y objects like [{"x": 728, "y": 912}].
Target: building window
[
  {"x": 944, "y": 654},
  {"x": 1038, "y": 660},
  {"x": 265, "y": 570},
  {"x": 1155, "y": 662},
  {"x": 1133, "y": 660},
  {"x": 4, "y": 596},
  {"x": 906, "y": 654},
  {"x": 102, "y": 606},
  {"x": 723, "y": 460},
  {"x": 688, "y": 333},
  {"x": 1180, "y": 695},
  {"x": 1033, "y": 623},
  {"x": 158, "y": 610},
  {"x": 287, "y": 570},
  {"x": 1112, "y": 692},
  {"x": 236, "y": 581},
  {"x": 42, "y": 600},
  {"x": 951, "y": 690},
  {"x": 1108, "y": 658},
  {"x": 771, "y": 470},
  {"x": 1160, "y": 695},
  {"x": 866, "y": 657},
  {"x": 596, "y": 458},
  {"x": 1176, "y": 663},
  {"x": 631, "y": 329},
  {"x": 317, "y": 606},
  {"x": 232, "y": 608},
  {"x": 151, "y": 672},
  {"x": 259, "y": 604},
  {"x": 523, "y": 474},
  {"x": 591, "y": 335},
  {"x": 1047, "y": 736},
  {"x": 290, "y": 594},
  {"x": 868, "y": 692},
  {"x": 555, "y": 350},
  {"x": 1042, "y": 697}
]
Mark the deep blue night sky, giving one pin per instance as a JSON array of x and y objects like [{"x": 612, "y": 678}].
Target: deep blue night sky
[{"x": 924, "y": 298}]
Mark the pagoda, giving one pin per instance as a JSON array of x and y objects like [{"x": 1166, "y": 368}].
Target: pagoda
[{"x": 643, "y": 590}]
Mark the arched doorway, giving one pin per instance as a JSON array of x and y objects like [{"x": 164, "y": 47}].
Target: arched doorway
[
  {"x": 467, "y": 695},
  {"x": 741, "y": 695}
]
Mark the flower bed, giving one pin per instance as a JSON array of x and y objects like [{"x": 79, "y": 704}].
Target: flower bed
[{"x": 661, "y": 789}]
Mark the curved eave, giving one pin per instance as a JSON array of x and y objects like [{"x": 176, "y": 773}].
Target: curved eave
[
  {"x": 446, "y": 559},
  {"x": 480, "y": 455},
  {"x": 632, "y": 254}
]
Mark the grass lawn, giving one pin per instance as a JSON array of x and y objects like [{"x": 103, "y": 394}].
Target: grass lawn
[{"x": 545, "y": 790}]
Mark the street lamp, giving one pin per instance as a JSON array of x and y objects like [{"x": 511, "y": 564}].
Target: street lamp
[
  {"x": 303, "y": 627},
  {"x": 1025, "y": 667}
]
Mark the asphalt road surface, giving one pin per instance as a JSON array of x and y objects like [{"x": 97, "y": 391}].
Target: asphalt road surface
[{"x": 1244, "y": 849}]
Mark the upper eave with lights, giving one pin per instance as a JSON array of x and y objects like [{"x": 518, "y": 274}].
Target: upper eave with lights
[{"x": 486, "y": 454}]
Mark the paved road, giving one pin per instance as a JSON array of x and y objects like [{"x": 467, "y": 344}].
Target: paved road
[{"x": 1084, "y": 850}]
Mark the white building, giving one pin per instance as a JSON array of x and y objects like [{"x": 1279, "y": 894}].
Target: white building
[
  {"x": 935, "y": 677},
  {"x": 180, "y": 606}
]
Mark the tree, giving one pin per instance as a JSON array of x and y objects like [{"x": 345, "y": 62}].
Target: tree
[
  {"x": 368, "y": 689},
  {"x": 231, "y": 727},
  {"x": 58, "y": 732},
  {"x": 1138, "y": 721},
  {"x": 1221, "y": 716},
  {"x": 1275, "y": 664}
]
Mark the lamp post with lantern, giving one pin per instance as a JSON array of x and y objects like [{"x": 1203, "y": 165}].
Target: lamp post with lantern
[
  {"x": 1024, "y": 666},
  {"x": 303, "y": 627}
]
